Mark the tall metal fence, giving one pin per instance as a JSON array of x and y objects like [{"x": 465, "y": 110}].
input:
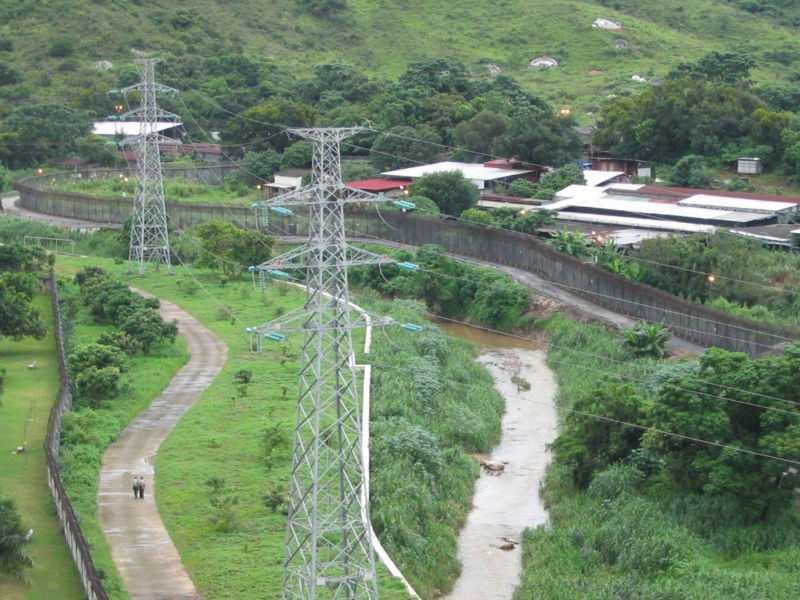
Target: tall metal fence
[
  {"x": 70, "y": 523},
  {"x": 697, "y": 322}
]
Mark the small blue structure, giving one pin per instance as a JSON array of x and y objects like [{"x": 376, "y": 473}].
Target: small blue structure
[
  {"x": 412, "y": 326},
  {"x": 405, "y": 205},
  {"x": 408, "y": 266},
  {"x": 278, "y": 274},
  {"x": 275, "y": 336}
]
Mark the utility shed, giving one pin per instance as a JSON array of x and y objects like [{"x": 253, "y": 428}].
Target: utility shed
[
  {"x": 749, "y": 165},
  {"x": 482, "y": 176}
]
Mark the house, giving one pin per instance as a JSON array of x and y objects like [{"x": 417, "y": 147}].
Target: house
[
  {"x": 488, "y": 177},
  {"x": 632, "y": 167},
  {"x": 285, "y": 181},
  {"x": 209, "y": 154},
  {"x": 391, "y": 188}
]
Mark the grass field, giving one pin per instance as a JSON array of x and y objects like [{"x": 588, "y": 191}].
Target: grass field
[
  {"x": 221, "y": 436},
  {"x": 30, "y": 394},
  {"x": 81, "y": 461}
]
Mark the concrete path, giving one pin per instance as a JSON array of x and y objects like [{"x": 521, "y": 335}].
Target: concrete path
[{"x": 140, "y": 544}]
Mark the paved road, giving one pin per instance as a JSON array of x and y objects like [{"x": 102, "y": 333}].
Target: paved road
[
  {"x": 11, "y": 209},
  {"x": 141, "y": 547}
]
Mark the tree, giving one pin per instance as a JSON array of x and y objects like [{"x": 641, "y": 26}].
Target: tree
[
  {"x": 561, "y": 178},
  {"x": 147, "y": 328},
  {"x": 480, "y": 132},
  {"x": 16, "y": 257},
  {"x": 263, "y": 164},
  {"x": 42, "y": 131},
  {"x": 403, "y": 146},
  {"x": 689, "y": 406},
  {"x": 451, "y": 192},
  {"x": 690, "y": 171},
  {"x": 476, "y": 216},
  {"x": 18, "y": 317},
  {"x": 97, "y": 355},
  {"x": 13, "y": 537},
  {"x": 297, "y": 155},
  {"x": 523, "y": 188},
  {"x": 324, "y": 9},
  {"x": 647, "y": 339},
  {"x": 722, "y": 67},
  {"x": 540, "y": 137},
  {"x": 5, "y": 178},
  {"x": 230, "y": 248}
]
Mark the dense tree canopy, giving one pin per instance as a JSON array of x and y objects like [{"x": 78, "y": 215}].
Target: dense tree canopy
[
  {"x": 451, "y": 192},
  {"x": 35, "y": 133}
]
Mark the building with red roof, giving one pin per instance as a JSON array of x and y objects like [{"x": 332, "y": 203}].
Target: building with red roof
[{"x": 389, "y": 187}]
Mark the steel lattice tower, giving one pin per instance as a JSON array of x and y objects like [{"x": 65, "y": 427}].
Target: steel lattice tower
[
  {"x": 149, "y": 241},
  {"x": 329, "y": 554}
]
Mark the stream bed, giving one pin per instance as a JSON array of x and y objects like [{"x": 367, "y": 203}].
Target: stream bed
[{"x": 505, "y": 504}]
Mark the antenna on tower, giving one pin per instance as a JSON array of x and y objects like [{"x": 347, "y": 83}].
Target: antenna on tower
[
  {"x": 149, "y": 241},
  {"x": 329, "y": 553}
]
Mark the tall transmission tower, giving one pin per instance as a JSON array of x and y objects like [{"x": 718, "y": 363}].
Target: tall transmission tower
[
  {"x": 149, "y": 241},
  {"x": 329, "y": 554}
]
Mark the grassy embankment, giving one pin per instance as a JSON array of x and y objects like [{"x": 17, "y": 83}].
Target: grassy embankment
[
  {"x": 422, "y": 484},
  {"x": 86, "y": 434},
  {"x": 179, "y": 190},
  {"x": 29, "y": 394},
  {"x": 617, "y": 540}
]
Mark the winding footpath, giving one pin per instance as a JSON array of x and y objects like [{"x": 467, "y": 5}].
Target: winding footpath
[{"x": 141, "y": 547}]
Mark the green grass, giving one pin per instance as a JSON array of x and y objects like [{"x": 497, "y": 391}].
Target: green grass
[
  {"x": 23, "y": 476},
  {"x": 220, "y": 437},
  {"x": 175, "y": 190},
  {"x": 81, "y": 461},
  {"x": 384, "y": 37}
]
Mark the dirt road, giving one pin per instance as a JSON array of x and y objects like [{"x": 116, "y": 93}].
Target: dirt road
[{"x": 141, "y": 546}]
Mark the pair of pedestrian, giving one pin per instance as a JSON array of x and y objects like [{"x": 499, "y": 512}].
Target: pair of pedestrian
[{"x": 138, "y": 486}]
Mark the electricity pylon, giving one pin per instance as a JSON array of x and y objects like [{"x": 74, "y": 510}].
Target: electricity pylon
[
  {"x": 149, "y": 241},
  {"x": 329, "y": 554}
]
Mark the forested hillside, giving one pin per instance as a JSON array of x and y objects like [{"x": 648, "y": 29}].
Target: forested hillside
[{"x": 48, "y": 49}]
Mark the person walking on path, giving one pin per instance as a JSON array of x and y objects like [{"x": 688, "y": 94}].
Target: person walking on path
[
  {"x": 141, "y": 486},
  {"x": 135, "y": 485}
]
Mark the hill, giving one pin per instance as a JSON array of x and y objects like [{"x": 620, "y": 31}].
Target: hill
[{"x": 50, "y": 50}]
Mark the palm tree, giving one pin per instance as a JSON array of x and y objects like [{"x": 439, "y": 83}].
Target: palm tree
[{"x": 13, "y": 537}]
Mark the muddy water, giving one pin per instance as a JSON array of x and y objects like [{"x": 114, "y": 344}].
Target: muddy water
[{"x": 506, "y": 504}]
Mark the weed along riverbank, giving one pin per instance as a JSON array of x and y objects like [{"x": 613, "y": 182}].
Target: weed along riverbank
[{"x": 507, "y": 502}]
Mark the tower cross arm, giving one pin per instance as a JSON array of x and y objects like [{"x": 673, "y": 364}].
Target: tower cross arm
[
  {"x": 157, "y": 87},
  {"x": 323, "y": 193},
  {"x": 305, "y": 257}
]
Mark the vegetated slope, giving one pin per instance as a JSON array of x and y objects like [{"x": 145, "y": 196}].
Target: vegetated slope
[{"x": 53, "y": 45}]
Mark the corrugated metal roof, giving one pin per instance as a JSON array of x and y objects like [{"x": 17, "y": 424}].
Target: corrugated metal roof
[
  {"x": 729, "y": 203},
  {"x": 112, "y": 128},
  {"x": 655, "y": 210},
  {"x": 665, "y": 225},
  {"x": 471, "y": 171},
  {"x": 667, "y": 191}
]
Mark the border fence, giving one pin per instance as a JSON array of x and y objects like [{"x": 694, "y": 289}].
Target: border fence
[
  {"x": 70, "y": 522},
  {"x": 697, "y": 322}
]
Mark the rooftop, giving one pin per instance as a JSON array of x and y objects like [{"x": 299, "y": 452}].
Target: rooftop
[
  {"x": 471, "y": 171},
  {"x": 112, "y": 128},
  {"x": 378, "y": 185}
]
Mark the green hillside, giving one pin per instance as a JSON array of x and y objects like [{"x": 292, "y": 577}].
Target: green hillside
[{"x": 47, "y": 49}]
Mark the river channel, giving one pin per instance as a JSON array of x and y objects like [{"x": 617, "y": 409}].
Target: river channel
[{"x": 505, "y": 505}]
